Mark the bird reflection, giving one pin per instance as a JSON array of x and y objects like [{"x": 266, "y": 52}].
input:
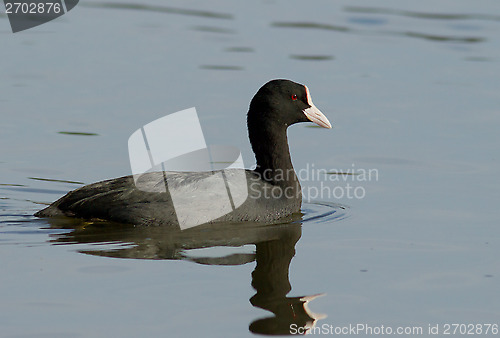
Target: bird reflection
[
  {"x": 274, "y": 250},
  {"x": 270, "y": 280}
]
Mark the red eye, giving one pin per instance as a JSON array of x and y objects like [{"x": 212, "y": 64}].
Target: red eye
[{"x": 294, "y": 97}]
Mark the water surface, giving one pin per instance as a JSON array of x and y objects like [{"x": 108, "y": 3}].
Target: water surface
[{"x": 411, "y": 90}]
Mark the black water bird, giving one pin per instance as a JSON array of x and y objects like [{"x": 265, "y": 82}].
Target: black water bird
[{"x": 266, "y": 194}]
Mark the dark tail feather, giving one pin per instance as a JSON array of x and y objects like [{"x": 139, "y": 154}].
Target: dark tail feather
[{"x": 50, "y": 211}]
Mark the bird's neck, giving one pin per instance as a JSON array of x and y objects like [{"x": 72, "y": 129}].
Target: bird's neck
[{"x": 272, "y": 154}]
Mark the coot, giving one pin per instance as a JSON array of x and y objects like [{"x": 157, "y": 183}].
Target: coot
[{"x": 271, "y": 191}]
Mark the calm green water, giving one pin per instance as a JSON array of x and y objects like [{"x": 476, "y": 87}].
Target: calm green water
[{"x": 407, "y": 237}]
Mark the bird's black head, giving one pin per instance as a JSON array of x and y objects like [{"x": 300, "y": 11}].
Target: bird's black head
[
  {"x": 276, "y": 106},
  {"x": 281, "y": 103}
]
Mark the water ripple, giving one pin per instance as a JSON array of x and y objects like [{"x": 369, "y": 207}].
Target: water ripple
[
  {"x": 421, "y": 15},
  {"x": 368, "y": 32},
  {"x": 221, "y": 67},
  {"x": 443, "y": 38},
  {"x": 311, "y": 57},
  {"x": 311, "y": 25},
  {"x": 323, "y": 212},
  {"x": 159, "y": 9}
]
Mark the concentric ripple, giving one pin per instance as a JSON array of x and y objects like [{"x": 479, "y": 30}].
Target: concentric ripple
[{"x": 323, "y": 212}]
